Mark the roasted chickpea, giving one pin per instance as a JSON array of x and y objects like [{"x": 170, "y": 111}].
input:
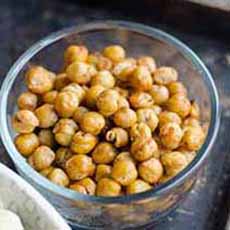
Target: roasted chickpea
[
  {"x": 26, "y": 143},
  {"x": 46, "y": 137},
  {"x": 137, "y": 186},
  {"x": 39, "y": 80},
  {"x": 159, "y": 93},
  {"x": 190, "y": 121},
  {"x": 78, "y": 188},
  {"x": 166, "y": 117},
  {"x": 104, "y": 78},
  {"x": 157, "y": 109},
  {"x": 123, "y": 102},
  {"x": 92, "y": 122},
  {"x": 28, "y": 101},
  {"x": 179, "y": 104},
  {"x": 107, "y": 102},
  {"x": 88, "y": 184},
  {"x": 149, "y": 117},
  {"x": 140, "y": 100},
  {"x": 141, "y": 130},
  {"x": 79, "y": 167},
  {"x": 108, "y": 187},
  {"x": 66, "y": 103},
  {"x": 151, "y": 170},
  {"x": 45, "y": 172},
  {"x": 61, "y": 81},
  {"x": 141, "y": 79},
  {"x": 74, "y": 87},
  {"x": 177, "y": 88},
  {"x": 165, "y": 75},
  {"x": 148, "y": 62},
  {"x": 115, "y": 53},
  {"x": 124, "y": 172},
  {"x": 122, "y": 92},
  {"x": 78, "y": 114},
  {"x": 42, "y": 158},
  {"x": 92, "y": 94},
  {"x": 118, "y": 137},
  {"x": 62, "y": 156},
  {"x": 75, "y": 53},
  {"x": 124, "y": 156},
  {"x": 195, "y": 110},
  {"x": 104, "y": 153},
  {"x": 24, "y": 121},
  {"x": 50, "y": 97},
  {"x": 46, "y": 115},
  {"x": 125, "y": 117},
  {"x": 59, "y": 177},
  {"x": 83, "y": 143},
  {"x": 99, "y": 61},
  {"x": 102, "y": 170},
  {"x": 64, "y": 131}
]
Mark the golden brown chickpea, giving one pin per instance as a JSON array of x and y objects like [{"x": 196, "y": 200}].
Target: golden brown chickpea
[
  {"x": 151, "y": 170},
  {"x": 144, "y": 148},
  {"x": 148, "y": 62},
  {"x": 141, "y": 130},
  {"x": 124, "y": 172},
  {"x": 141, "y": 79},
  {"x": 190, "y": 121},
  {"x": 92, "y": 122},
  {"x": 59, "y": 177},
  {"x": 92, "y": 94},
  {"x": 45, "y": 172},
  {"x": 39, "y": 80},
  {"x": 107, "y": 102},
  {"x": 157, "y": 109},
  {"x": 195, "y": 110},
  {"x": 159, "y": 93},
  {"x": 49, "y": 97},
  {"x": 177, "y": 88},
  {"x": 102, "y": 171},
  {"x": 108, "y": 187},
  {"x": 74, "y": 87},
  {"x": 171, "y": 135},
  {"x": 179, "y": 104},
  {"x": 78, "y": 188},
  {"x": 46, "y": 115},
  {"x": 166, "y": 117},
  {"x": 149, "y": 117},
  {"x": 115, "y": 53},
  {"x": 104, "y": 78},
  {"x": 83, "y": 143},
  {"x": 118, "y": 137},
  {"x": 62, "y": 156},
  {"x": 137, "y": 186},
  {"x": 165, "y": 75},
  {"x": 79, "y": 112},
  {"x": 88, "y": 184},
  {"x": 125, "y": 117},
  {"x": 75, "y": 53},
  {"x": 64, "y": 130},
  {"x": 46, "y": 137},
  {"x": 104, "y": 153},
  {"x": 42, "y": 158},
  {"x": 79, "y": 167},
  {"x": 124, "y": 156},
  {"x": 24, "y": 121},
  {"x": 66, "y": 103},
  {"x": 123, "y": 102},
  {"x": 26, "y": 143},
  {"x": 28, "y": 101},
  {"x": 122, "y": 92},
  {"x": 61, "y": 81},
  {"x": 140, "y": 100}
]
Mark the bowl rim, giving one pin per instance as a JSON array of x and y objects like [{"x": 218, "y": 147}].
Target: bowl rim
[{"x": 42, "y": 182}]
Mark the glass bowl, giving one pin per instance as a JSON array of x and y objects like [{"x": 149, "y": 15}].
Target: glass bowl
[{"x": 125, "y": 211}]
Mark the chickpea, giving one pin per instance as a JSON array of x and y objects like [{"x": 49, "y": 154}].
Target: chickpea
[
  {"x": 74, "y": 87},
  {"x": 179, "y": 104},
  {"x": 45, "y": 172},
  {"x": 62, "y": 156},
  {"x": 144, "y": 148},
  {"x": 26, "y": 143},
  {"x": 149, "y": 117},
  {"x": 99, "y": 61},
  {"x": 59, "y": 177},
  {"x": 102, "y": 170},
  {"x": 42, "y": 158},
  {"x": 64, "y": 131},
  {"x": 24, "y": 121},
  {"x": 46, "y": 115},
  {"x": 123, "y": 102},
  {"x": 66, "y": 103},
  {"x": 79, "y": 113},
  {"x": 61, "y": 81},
  {"x": 195, "y": 110},
  {"x": 115, "y": 53},
  {"x": 104, "y": 78},
  {"x": 124, "y": 156},
  {"x": 83, "y": 143},
  {"x": 159, "y": 93},
  {"x": 122, "y": 92},
  {"x": 104, "y": 153},
  {"x": 190, "y": 121},
  {"x": 141, "y": 79},
  {"x": 141, "y": 130},
  {"x": 124, "y": 172},
  {"x": 107, "y": 102},
  {"x": 92, "y": 122},
  {"x": 88, "y": 184},
  {"x": 49, "y": 97},
  {"x": 92, "y": 95},
  {"x": 171, "y": 135},
  {"x": 166, "y": 117},
  {"x": 157, "y": 109},
  {"x": 78, "y": 188},
  {"x": 118, "y": 137},
  {"x": 148, "y": 62},
  {"x": 79, "y": 167},
  {"x": 125, "y": 117},
  {"x": 151, "y": 170},
  {"x": 140, "y": 100},
  {"x": 28, "y": 101},
  {"x": 165, "y": 75},
  {"x": 177, "y": 88},
  {"x": 46, "y": 137},
  {"x": 39, "y": 80},
  {"x": 75, "y": 53},
  {"x": 137, "y": 186},
  {"x": 108, "y": 187}
]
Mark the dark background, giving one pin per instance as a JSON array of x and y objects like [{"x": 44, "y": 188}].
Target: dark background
[{"x": 205, "y": 30}]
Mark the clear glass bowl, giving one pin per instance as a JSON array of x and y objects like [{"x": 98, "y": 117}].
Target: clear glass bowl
[{"x": 125, "y": 211}]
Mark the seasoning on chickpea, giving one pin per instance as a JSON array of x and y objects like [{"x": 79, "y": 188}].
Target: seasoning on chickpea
[
  {"x": 118, "y": 137},
  {"x": 165, "y": 75},
  {"x": 141, "y": 130},
  {"x": 61, "y": 81},
  {"x": 75, "y": 53},
  {"x": 148, "y": 62},
  {"x": 177, "y": 88},
  {"x": 104, "y": 78},
  {"x": 141, "y": 100},
  {"x": 28, "y": 101},
  {"x": 159, "y": 93},
  {"x": 137, "y": 186},
  {"x": 166, "y": 117},
  {"x": 115, "y": 53},
  {"x": 59, "y": 177},
  {"x": 108, "y": 187},
  {"x": 46, "y": 137},
  {"x": 102, "y": 170}
]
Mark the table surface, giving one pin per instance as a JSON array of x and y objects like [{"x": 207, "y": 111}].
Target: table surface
[{"x": 24, "y": 22}]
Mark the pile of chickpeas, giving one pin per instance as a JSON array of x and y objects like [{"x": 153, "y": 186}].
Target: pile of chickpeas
[{"x": 107, "y": 125}]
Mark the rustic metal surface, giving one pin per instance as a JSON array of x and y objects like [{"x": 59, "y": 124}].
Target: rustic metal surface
[{"x": 23, "y": 22}]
